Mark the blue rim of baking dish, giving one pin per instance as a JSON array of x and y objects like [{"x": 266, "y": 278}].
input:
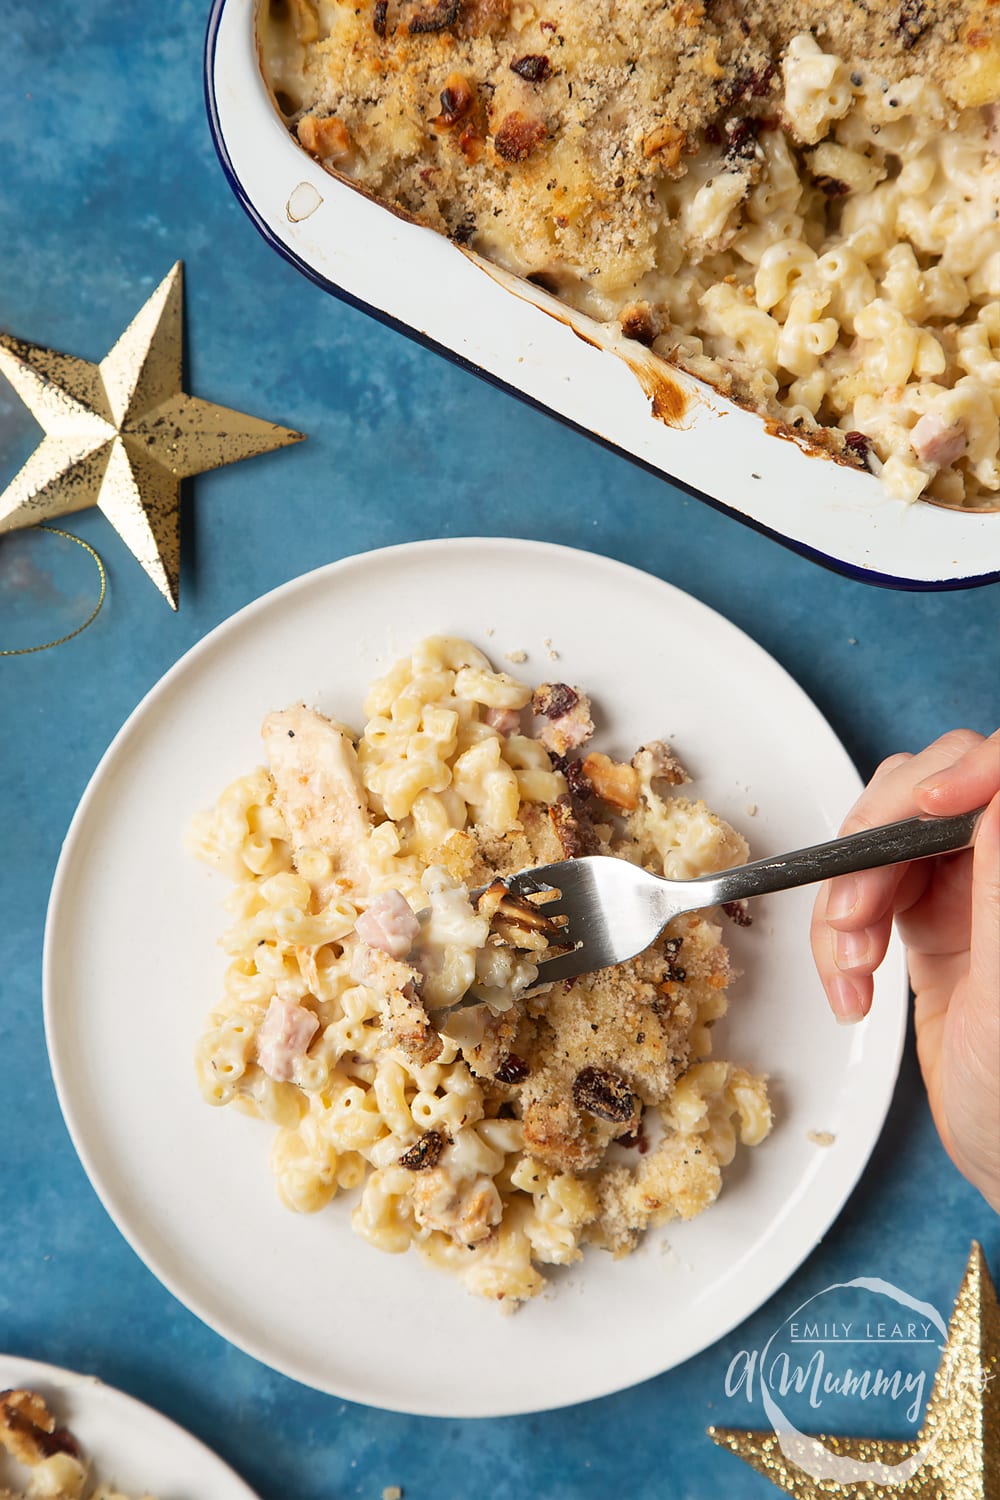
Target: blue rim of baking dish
[{"x": 803, "y": 549}]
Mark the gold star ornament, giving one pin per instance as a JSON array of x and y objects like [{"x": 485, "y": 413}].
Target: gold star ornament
[
  {"x": 956, "y": 1453},
  {"x": 122, "y": 434}
]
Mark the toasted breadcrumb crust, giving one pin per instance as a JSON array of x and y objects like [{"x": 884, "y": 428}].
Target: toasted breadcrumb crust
[
  {"x": 552, "y": 138},
  {"x": 536, "y": 130}
]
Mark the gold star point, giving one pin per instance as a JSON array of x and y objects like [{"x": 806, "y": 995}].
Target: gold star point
[
  {"x": 122, "y": 434},
  {"x": 960, "y": 1431}
]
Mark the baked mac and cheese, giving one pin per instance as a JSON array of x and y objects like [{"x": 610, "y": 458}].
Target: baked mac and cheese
[
  {"x": 506, "y": 1132},
  {"x": 795, "y": 202}
]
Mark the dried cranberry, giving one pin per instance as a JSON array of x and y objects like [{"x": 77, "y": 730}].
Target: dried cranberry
[
  {"x": 738, "y": 912},
  {"x": 513, "y": 1069},
  {"x": 534, "y": 68},
  {"x": 599, "y": 1091}
]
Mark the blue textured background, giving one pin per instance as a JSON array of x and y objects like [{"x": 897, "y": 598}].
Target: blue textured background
[{"x": 107, "y": 175}]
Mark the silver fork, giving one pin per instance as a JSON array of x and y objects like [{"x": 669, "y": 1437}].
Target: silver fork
[{"x": 614, "y": 909}]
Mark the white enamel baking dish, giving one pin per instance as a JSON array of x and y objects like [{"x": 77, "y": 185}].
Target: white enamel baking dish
[{"x": 517, "y": 336}]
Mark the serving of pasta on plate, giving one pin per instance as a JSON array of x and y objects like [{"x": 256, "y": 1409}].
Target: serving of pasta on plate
[{"x": 505, "y": 1133}]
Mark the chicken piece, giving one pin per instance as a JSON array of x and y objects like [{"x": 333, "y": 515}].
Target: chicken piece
[
  {"x": 468, "y": 1212},
  {"x": 284, "y": 1036},
  {"x": 389, "y": 924},
  {"x": 936, "y": 442},
  {"x": 319, "y": 792}
]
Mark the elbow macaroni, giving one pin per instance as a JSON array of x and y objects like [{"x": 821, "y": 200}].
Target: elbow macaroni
[{"x": 357, "y": 1105}]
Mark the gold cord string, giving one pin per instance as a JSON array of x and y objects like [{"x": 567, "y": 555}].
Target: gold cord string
[{"x": 61, "y": 641}]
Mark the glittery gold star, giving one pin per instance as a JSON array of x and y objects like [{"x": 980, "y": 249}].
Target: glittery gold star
[
  {"x": 122, "y": 434},
  {"x": 955, "y": 1455}
]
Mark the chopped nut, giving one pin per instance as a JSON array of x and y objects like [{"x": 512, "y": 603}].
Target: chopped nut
[
  {"x": 438, "y": 18},
  {"x": 522, "y": 925},
  {"x": 327, "y": 138},
  {"x": 666, "y": 142},
  {"x": 28, "y": 1429},
  {"x": 457, "y": 98},
  {"x": 637, "y": 322},
  {"x": 517, "y": 137},
  {"x": 613, "y": 782},
  {"x": 599, "y": 1091},
  {"x": 424, "y": 1153}
]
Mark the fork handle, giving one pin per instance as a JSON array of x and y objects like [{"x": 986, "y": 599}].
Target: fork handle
[{"x": 890, "y": 844}]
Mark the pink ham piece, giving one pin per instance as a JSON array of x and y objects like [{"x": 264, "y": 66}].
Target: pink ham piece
[
  {"x": 504, "y": 720},
  {"x": 937, "y": 442},
  {"x": 389, "y": 925},
  {"x": 285, "y": 1035}
]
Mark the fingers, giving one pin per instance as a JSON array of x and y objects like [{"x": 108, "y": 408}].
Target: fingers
[
  {"x": 846, "y": 962},
  {"x": 856, "y": 900},
  {"x": 970, "y": 781},
  {"x": 852, "y": 920}
]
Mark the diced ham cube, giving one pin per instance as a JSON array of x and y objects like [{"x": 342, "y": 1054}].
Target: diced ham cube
[
  {"x": 389, "y": 925},
  {"x": 285, "y": 1035},
  {"x": 504, "y": 720},
  {"x": 937, "y": 442}
]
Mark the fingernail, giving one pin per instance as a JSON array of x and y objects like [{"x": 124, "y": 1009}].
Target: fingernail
[
  {"x": 851, "y": 950},
  {"x": 843, "y": 898},
  {"x": 932, "y": 782},
  {"x": 845, "y": 1002}
]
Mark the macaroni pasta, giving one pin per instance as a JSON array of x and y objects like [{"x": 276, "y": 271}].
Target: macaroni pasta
[{"x": 505, "y": 1133}]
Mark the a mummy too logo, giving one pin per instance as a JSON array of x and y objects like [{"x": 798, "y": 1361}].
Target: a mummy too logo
[{"x": 861, "y": 1340}]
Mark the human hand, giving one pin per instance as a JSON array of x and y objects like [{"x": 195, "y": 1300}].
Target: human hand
[{"x": 947, "y": 911}]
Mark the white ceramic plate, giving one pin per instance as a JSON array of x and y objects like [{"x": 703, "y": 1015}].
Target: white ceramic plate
[
  {"x": 581, "y": 371},
  {"x": 132, "y": 967},
  {"x": 128, "y": 1444}
]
